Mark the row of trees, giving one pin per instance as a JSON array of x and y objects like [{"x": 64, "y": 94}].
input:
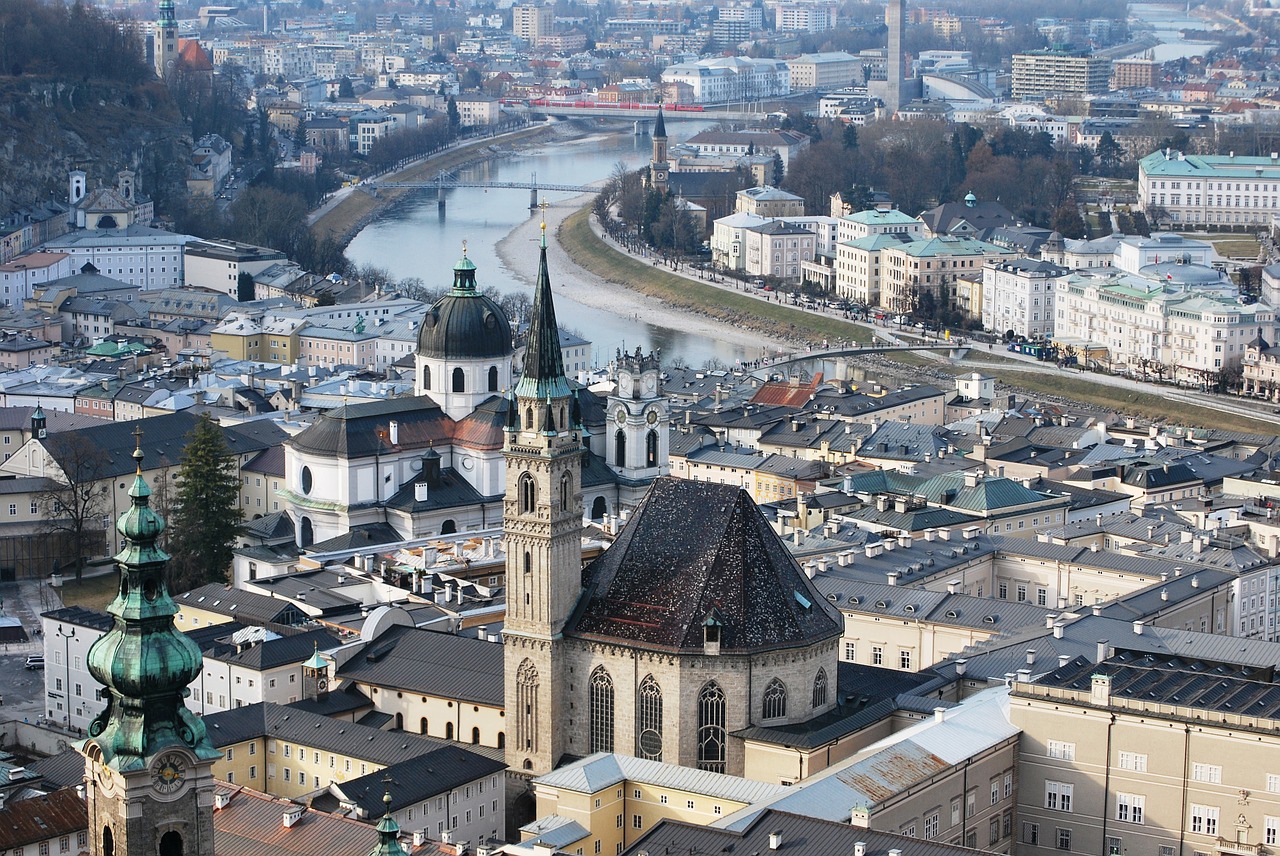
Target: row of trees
[
  {"x": 70, "y": 41},
  {"x": 201, "y": 503}
]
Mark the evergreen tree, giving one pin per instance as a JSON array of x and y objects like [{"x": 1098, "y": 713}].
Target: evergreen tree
[
  {"x": 778, "y": 169},
  {"x": 452, "y": 109},
  {"x": 345, "y": 89},
  {"x": 208, "y": 516}
]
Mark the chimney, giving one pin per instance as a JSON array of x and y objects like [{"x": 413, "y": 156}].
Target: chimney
[
  {"x": 1048, "y": 621},
  {"x": 395, "y": 433},
  {"x": 892, "y": 578},
  {"x": 961, "y": 666},
  {"x": 292, "y": 815},
  {"x": 1024, "y": 676},
  {"x": 860, "y": 848},
  {"x": 1164, "y": 594},
  {"x": 420, "y": 491},
  {"x": 1195, "y": 581},
  {"x": 1103, "y": 652},
  {"x": 1100, "y": 690},
  {"x": 1031, "y": 656},
  {"x": 419, "y": 837},
  {"x": 481, "y": 631},
  {"x": 939, "y": 714},
  {"x": 220, "y": 800},
  {"x": 1097, "y": 609},
  {"x": 1057, "y": 629},
  {"x": 775, "y": 840},
  {"x": 1137, "y": 627},
  {"x": 952, "y": 585},
  {"x": 1063, "y": 659}
]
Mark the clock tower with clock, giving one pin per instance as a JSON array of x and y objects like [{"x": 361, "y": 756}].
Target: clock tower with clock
[
  {"x": 148, "y": 761},
  {"x": 315, "y": 677},
  {"x": 638, "y": 440}
]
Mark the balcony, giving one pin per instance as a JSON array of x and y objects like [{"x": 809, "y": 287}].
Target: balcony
[{"x": 1237, "y": 848}]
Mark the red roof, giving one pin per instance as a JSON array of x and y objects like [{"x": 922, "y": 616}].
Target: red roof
[
  {"x": 26, "y": 822},
  {"x": 786, "y": 393},
  {"x": 193, "y": 56}
]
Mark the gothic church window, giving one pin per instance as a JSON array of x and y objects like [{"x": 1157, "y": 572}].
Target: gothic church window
[
  {"x": 528, "y": 494},
  {"x": 528, "y": 418},
  {"x": 711, "y": 736},
  {"x": 820, "y": 689},
  {"x": 601, "y": 711},
  {"x": 527, "y": 707},
  {"x": 775, "y": 700},
  {"x": 649, "y": 720},
  {"x": 565, "y": 483}
]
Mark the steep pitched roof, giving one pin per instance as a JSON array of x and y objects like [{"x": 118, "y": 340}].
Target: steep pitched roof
[{"x": 653, "y": 589}]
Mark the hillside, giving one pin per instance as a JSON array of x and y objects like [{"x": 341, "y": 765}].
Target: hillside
[{"x": 75, "y": 92}]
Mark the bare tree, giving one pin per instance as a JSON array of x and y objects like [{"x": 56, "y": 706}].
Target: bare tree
[{"x": 74, "y": 504}]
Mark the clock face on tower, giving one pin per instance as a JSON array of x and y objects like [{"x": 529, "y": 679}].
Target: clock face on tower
[
  {"x": 169, "y": 773},
  {"x": 321, "y": 685},
  {"x": 652, "y": 417},
  {"x": 621, "y": 416}
]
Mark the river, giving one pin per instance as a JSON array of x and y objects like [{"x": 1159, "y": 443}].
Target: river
[
  {"x": 1167, "y": 22},
  {"x": 414, "y": 239}
]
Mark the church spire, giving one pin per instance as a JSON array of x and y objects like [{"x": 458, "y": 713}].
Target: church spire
[
  {"x": 660, "y": 126},
  {"x": 543, "y": 376},
  {"x": 388, "y": 829}
]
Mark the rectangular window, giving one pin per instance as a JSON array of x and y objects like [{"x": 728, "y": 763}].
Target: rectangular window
[
  {"x": 995, "y": 791},
  {"x": 877, "y": 655},
  {"x": 993, "y": 830},
  {"x": 1271, "y": 830},
  {"x": 955, "y": 811},
  {"x": 637, "y": 822},
  {"x": 1022, "y": 593},
  {"x": 904, "y": 660},
  {"x": 253, "y": 771},
  {"x": 1114, "y": 846},
  {"x": 1062, "y": 751},
  {"x": 1211, "y": 773},
  {"x": 1273, "y": 783},
  {"x": 850, "y": 652},
  {"x": 1130, "y": 807},
  {"x": 1030, "y": 833},
  {"x": 931, "y": 826},
  {"x": 1008, "y": 785},
  {"x": 1064, "y": 839},
  {"x": 1204, "y": 819},
  {"x": 1057, "y": 796},
  {"x": 1133, "y": 761}
]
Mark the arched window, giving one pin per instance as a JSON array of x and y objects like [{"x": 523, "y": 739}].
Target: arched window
[
  {"x": 820, "y": 689},
  {"x": 399, "y": 722},
  {"x": 620, "y": 449},
  {"x": 306, "y": 534},
  {"x": 649, "y": 720},
  {"x": 475, "y": 735},
  {"x": 528, "y": 562},
  {"x": 448, "y": 731},
  {"x": 526, "y": 712},
  {"x": 775, "y": 700},
  {"x": 528, "y": 419},
  {"x": 599, "y": 508},
  {"x": 565, "y": 484},
  {"x": 426, "y": 376},
  {"x": 171, "y": 843},
  {"x": 459, "y": 380},
  {"x": 711, "y": 742},
  {"x": 108, "y": 842},
  {"x": 528, "y": 493},
  {"x": 493, "y": 378},
  {"x": 449, "y": 527},
  {"x": 423, "y": 730},
  {"x": 502, "y": 740},
  {"x": 651, "y": 449},
  {"x": 601, "y": 711}
]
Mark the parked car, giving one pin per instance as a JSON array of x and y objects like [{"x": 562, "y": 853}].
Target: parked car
[{"x": 35, "y": 661}]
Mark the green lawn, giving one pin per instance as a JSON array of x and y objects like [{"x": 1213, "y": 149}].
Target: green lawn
[
  {"x": 1147, "y": 405},
  {"x": 737, "y": 308},
  {"x": 1232, "y": 246},
  {"x": 92, "y": 592}
]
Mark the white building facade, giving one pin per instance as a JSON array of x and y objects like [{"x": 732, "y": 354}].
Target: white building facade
[{"x": 1017, "y": 295}]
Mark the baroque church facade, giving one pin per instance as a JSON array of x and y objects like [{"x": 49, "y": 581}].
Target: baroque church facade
[
  {"x": 432, "y": 464},
  {"x": 695, "y": 624}
]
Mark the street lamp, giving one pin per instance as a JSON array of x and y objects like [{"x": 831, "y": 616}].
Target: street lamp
[{"x": 66, "y": 662}]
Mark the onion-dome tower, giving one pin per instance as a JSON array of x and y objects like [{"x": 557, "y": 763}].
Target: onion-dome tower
[{"x": 148, "y": 760}]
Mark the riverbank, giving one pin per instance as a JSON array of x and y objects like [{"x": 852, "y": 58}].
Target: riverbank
[
  {"x": 518, "y": 252},
  {"x": 359, "y": 208}
]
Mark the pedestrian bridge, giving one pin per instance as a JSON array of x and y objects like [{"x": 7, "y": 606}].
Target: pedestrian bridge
[
  {"x": 954, "y": 350},
  {"x": 448, "y": 181}
]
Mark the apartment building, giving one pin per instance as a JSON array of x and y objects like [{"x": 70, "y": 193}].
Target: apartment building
[
  {"x": 726, "y": 79},
  {"x": 217, "y": 265},
  {"x": 930, "y": 267},
  {"x": 531, "y": 22},
  {"x": 1017, "y": 295},
  {"x": 1037, "y": 74},
  {"x": 776, "y": 249},
  {"x": 1210, "y": 190},
  {"x": 1152, "y": 752},
  {"x": 819, "y": 71}
]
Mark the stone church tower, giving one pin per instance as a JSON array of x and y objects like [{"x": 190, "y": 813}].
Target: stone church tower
[
  {"x": 148, "y": 761},
  {"x": 638, "y": 447},
  {"x": 542, "y": 516},
  {"x": 165, "y": 41},
  {"x": 659, "y": 169}
]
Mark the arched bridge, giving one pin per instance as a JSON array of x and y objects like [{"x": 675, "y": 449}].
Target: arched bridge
[{"x": 954, "y": 350}]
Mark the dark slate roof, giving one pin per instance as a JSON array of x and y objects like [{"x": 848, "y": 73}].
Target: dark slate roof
[
  {"x": 245, "y": 606},
  {"x": 800, "y": 836},
  {"x": 63, "y": 770},
  {"x": 163, "y": 440},
  {"x": 359, "y": 537},
  {"x": 277, "y": 525},
  {"x": 361, "y": 430},
  {"x": 693, "y": 552},
  {"x": 414, "y": 780},
  {"x": 981, "y": 215},
  {"x": 346, "y": 700},
  {"x": 427, "y": 662},
  {"x": 465, "y": 324},
  {"x": 595, "y": 472},
  {"x": 82, "y": 617},
  {"x": 452, "y": 491},
  {"x": 269, "y": 462},
  {"x": 274, "y": 652}
]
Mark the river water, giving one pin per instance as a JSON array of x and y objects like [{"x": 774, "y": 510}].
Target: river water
[
  {"x": 415, "y": 239},
  {"x": 1167, "y": 21}
]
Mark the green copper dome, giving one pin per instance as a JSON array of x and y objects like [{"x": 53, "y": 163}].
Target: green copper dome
[{"x": 143, "y": 661}]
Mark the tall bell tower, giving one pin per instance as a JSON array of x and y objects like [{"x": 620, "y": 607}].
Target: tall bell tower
[
  {"x": 659, "y": 169},
  {"x": 165, "y": 50},
  {"x": 542, "y": 533},
  {"x": 148, "y": 761},
  {"x": 639, "y": 444}
]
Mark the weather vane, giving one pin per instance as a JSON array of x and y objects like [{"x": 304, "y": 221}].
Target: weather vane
[{"x": 464, "y": 247}]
